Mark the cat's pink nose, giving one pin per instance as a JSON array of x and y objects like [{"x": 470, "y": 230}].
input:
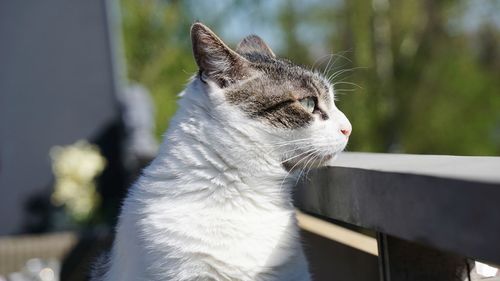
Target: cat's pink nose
[{"x": 346, "y": 132}]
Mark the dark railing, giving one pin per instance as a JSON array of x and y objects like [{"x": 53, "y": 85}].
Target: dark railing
[{"x": 429, "y": 215}]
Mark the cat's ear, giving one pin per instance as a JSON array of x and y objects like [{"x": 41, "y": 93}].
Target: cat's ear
[
  {"x": 215, "y": 60},
  {"x": 254, "y": 44}
]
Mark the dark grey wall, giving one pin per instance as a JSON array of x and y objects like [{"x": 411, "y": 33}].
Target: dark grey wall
[{"x": 56, "y": 87}]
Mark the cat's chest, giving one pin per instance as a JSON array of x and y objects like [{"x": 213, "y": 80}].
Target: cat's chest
[{"x": 251, "y": 238}]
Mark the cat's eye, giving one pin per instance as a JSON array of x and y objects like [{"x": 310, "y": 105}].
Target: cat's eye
[{"x": 309, "y": 104}]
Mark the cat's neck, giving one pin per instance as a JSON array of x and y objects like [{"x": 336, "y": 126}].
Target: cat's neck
[{"x": 232, "y": 168}]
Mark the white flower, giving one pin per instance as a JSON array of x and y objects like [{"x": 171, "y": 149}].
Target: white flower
[{"x": 75, "y": 168}]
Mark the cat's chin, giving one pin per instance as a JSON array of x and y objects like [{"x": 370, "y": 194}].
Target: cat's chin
[
  {"x": 323, "y": 161},
  {"x": 317, "y": 162}
]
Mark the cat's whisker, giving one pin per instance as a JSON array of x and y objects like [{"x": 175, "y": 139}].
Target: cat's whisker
[
  {"x": 322, "y": 158},
  {"x": 298, "y": 148},
  {"x": 290, "y": 172},
  {"x": 345, "y": 90},
  {"x": 347, "y": 83},
  {"x": 338, "y": 73},
  {"x": 350, "y": 71},
  {"x": 298, "y": 155},
  {"x": 317, "y": 61},
  {"x": 311, "y": 156},
  {"x": 295, "y": 147},
  {"x": 335, "y": 61},
  {"x": 287, "y": 143},
  {"x": 306, "y": 139},
  {"x": 342, "y": 71},
  {"x": 344, "y": 57},
  {"x": 295, "y": 141},
  {"x": 303, "y": 145},
  {"x": 309, "y": 138},
  {"x": 337, "y": 56},
  {"x": 338, "y": 67},
  {"x": 304, "y": 170},
  {"x": 290, "y": 150},
  {"x": 312, "y": 163},
  {"x": 328, "y": 65}
]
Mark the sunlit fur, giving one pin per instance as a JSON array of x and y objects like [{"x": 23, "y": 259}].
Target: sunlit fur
[{"x": 216, "y": 202}]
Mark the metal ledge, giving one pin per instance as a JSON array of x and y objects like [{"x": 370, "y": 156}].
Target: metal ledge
[{"x": 446, "y": 202}]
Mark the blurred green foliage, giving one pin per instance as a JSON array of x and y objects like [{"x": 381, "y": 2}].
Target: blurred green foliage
[
  {"x": 158, "y": 51},
  {"x": 426, "y": 83}
]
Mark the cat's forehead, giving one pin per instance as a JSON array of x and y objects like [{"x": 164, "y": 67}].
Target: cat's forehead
[
  {"x": 284, "y": 73},
  {"x": 276, "y": 80}
]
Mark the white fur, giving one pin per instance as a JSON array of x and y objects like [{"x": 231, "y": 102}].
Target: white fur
[{"x": 215, "y": 204}]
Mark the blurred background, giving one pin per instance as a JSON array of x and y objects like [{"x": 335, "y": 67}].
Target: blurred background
[
  {"x": 87, "y": 90},
  {"x": 427, "y": 72}
]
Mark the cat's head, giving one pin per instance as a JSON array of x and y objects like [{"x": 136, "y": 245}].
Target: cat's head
[{"x": 292, "y": 107}]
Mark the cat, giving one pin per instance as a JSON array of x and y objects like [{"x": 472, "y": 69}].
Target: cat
[{"x": 215, "y": 204}]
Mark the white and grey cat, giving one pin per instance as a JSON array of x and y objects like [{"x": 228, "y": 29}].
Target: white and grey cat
[{"x": 216, "y": 203}]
